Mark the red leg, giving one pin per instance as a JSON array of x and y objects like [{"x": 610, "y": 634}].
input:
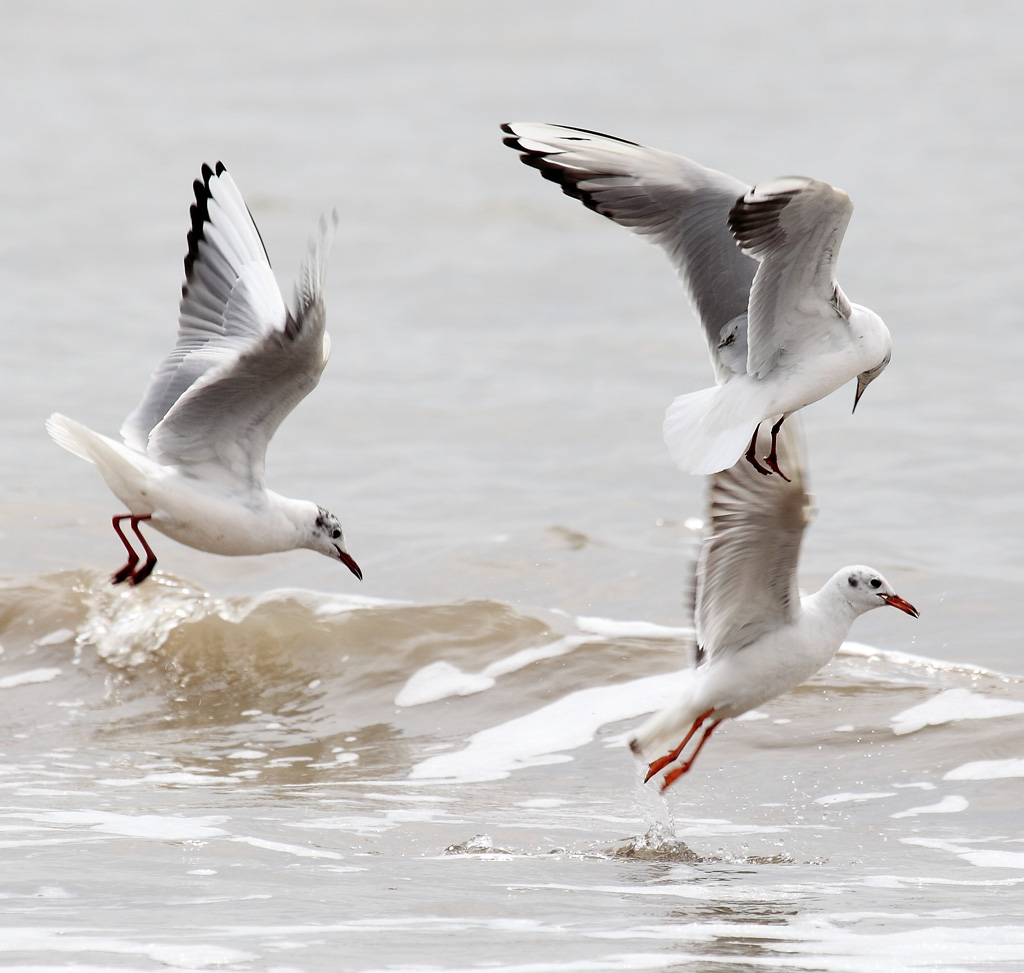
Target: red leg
[
  {"x": 678, "y": 772},
  {"x": 144, "y": 572},
  {"x": 662, "y": 762},
  {"x": 752, "y": 453},
  {"x": 128, "y": 572},
  {"x": 772, "y": 459},
  {"x": 124, "y": 573}
]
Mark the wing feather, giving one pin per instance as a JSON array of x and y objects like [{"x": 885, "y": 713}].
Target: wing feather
[
  {"x": 794, "y": 227},
  {"x": 221, "y": 426},
  {"x": 677, "y": 203},
  {"x": 229, "y": 299},
  {"x": 746, "y": 572},
  {"x": 242, "y": 360}
]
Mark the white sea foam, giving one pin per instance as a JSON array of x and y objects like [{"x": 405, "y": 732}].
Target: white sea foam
[
  {"x": 57, "y": 637},
  {"x": 910, "y": 660},
  {"x": 29, "y": 676},
  {"x": 38, "y": 942},
  {"x": 951, "y": 705},
  {"x": 541, "y": 737},
  {"x": 170, "y": 778},
  {"x": 375, "y": 824},
  {"x": 982, "y": 857},
  {"x": 299, "y": 851},
  {"x": 987, "y": 770},
  {"x": 610, "y": 628},
  {"x": 156, "y": 826},
  {"x": 951, "y": 804},
  {"x": 441, "y": 679},
  {"x": 853, "y": 796},
  {"x": 525, "y": 657},
  {"x": 316, "y": 602}
]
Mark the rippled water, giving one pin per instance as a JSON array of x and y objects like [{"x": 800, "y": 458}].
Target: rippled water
[
  {"x": 262, "y": 764},
  {"x": 294, "y": 779}
]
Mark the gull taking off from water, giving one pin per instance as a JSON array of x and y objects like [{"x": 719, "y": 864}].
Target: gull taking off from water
[
  {"x": 760, "y": 268},
  {"x": 755, "y": 637},
  {"x": 192, "y": 460}
]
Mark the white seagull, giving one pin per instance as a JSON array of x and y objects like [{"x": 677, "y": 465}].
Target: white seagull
[
  {"x": 760, "y": 268},
  {"x": 192, "y": 461},
  {"x": 755, "y": 637}
]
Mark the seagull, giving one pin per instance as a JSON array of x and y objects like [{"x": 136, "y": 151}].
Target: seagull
[
  {"x": 755, "y": 636},
  {"x": 192, "y": 461},
  {"x": 760, "y": 267}
]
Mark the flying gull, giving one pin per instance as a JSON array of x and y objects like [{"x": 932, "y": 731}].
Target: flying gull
[
  {"x": 192, "y": 460},
  {"x": 760, "y": 267},
  {"x": 755, "y": 636}
]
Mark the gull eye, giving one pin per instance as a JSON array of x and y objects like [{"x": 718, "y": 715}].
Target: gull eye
[
  {"x": 875, "y": 583},
  {"x": 335, "y": 533}
]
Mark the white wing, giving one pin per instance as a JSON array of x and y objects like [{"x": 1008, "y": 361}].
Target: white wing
[
  {"x": 679, "y": 204},
  {"x": 746, "y": 573},
  {"x": 242, "y": 361},
  {"x": 794, "y": 226}
]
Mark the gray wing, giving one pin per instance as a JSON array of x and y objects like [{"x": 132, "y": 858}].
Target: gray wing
[
  {"x": 242, "y": 361},
  {"x": 679, "y": 204},
  {"x": 229, "y": 300},
  {"x": 794, "y": 227},
  {"x": 746, "y": 573}
]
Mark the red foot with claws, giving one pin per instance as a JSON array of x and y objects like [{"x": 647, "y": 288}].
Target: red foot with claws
[
  {"x": 678, "y": 772},
  {"x": 772, "y": 459}
]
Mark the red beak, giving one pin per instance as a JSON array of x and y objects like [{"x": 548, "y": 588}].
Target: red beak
[
  {"x": 349, "y": 562},
  {"x": 902, "y": 604}
]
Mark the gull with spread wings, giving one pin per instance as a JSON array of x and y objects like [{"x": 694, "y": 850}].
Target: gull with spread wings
[
  {"x": 760, "y": 267},
  {"x": 192, "y": 461},
  {"x": 755, "y": 636}
]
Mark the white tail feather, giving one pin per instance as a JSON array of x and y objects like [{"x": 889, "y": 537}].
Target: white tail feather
[
  {"x": 704, "y": 434},
  {"x": 73, "y": 436},
  {"x": 124, "y": 470}
]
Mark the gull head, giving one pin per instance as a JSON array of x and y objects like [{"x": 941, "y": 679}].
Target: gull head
[
  {"x": 865, "y": 589},
  {"x": 877, "y": 344},
  {"x": 329, "y": 539}
]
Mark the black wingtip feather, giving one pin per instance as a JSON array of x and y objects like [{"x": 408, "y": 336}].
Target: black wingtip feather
[
  {"x": 600, "y": 135},
  {"x": 199, "y": 213},
  {"x": 755, "y": 223},
  {"x": 514, "y": 143},
  {"x": 568, "y": 179},
  {"x": 507, "y": 127}
]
